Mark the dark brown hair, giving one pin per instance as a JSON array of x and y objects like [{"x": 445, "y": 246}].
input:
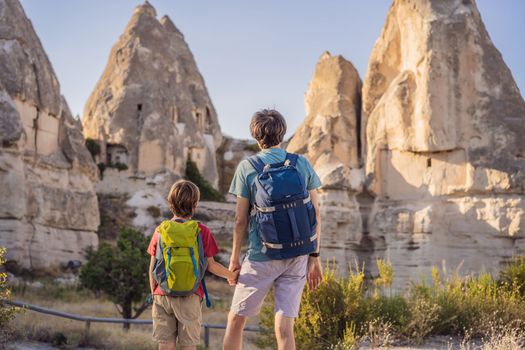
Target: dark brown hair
[
  {"x": 183, "y": 198},
  {"x": 268, "y": 127}
]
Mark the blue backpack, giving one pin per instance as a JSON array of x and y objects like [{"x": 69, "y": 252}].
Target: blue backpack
[{"x": 284, "y": 214}]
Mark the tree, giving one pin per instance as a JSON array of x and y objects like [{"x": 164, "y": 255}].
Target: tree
[
  {"x": 208, "y": 193},
  {"x": 120, "y": 272},
  {"x": 93, "y": 147}
]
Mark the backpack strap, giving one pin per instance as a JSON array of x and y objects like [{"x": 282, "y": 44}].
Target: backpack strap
[
  {"x": 195, "y": 269},
  {"x": 203, "y": 283},
  {"x": 208, "y": 301},
  {"x": 292, "y": 157},
  {"x": 257, "y": 163}
]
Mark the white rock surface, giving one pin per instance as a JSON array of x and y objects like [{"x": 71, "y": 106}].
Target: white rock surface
[
  {"x": 329, "y": 139},
  {"x": 48, "y": 209},
  {"x": 443, "y": 123},
  {"x": 440, "y": 141},
  {"x": 152, "y": 103}
]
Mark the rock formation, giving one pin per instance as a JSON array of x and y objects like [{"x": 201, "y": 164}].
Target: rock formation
[
  {"x": 439, "y": 141},
  {"x": 443, "y": 122},
  {"x": 48, "y": 211},
  {"x": 229, "y": 155},
  {"x": 150, "y": 109},
  {"x": 329, "y": 138}
]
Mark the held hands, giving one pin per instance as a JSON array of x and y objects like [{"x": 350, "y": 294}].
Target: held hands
[
  {"x": 235, "y": 267},
  {"x": 314, "y": 274}
]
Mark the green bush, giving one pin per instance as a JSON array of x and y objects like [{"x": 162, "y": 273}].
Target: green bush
[
  {"x": 208, "y": 193},
  {"x": 513, "y": 275},
  {"x": 320, "y": 323},
  {"x": 119, "y": 166},
  {"x": 342, "y": 312},
  {"x": 93, "y": 147},
  {"x": 252, "y": 147},
  {"x": 120, "y": 272},
  {"x": 101, "y": 168}
]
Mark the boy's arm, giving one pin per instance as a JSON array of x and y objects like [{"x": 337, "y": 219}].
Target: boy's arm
[
  {"x": 152, "y": 283},
  {"x": 217, "y": 269},
  {"x": 242, "y": 214}
]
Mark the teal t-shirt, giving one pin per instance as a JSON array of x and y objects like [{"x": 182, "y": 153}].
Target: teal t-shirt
[{"x": 242, "y": 183}]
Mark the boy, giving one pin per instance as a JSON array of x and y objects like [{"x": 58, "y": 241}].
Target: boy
[
  {"x": 179, "y": 318},
  {"x": 259, "y": 273}
]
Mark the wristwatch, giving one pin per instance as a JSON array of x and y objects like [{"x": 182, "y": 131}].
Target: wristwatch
[{"x": 315, "y": 255}]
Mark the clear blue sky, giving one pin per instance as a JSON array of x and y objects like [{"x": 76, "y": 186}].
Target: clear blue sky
[{"x": 252, "y": 54}]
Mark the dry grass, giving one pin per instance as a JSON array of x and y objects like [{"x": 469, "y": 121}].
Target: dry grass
[
  {"x": 71, "y": 334},
  {"x": 502, "y": 338}
]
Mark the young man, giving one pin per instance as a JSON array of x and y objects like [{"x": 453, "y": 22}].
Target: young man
[{"x": 259, "y": 273}]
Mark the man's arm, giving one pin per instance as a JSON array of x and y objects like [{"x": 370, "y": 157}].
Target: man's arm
[
  {"x": 242, "y": 215},
  {"x": 315, "y": 201},
  {"x": 315, "y": 273}
]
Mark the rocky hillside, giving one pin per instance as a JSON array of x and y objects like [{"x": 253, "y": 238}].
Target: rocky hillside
[
  {"x": 150, "y": 110},
  {"x": 48, "y": 212},
  {"x": 439, "y": 140},
  {"x": 329, "y": 138}
]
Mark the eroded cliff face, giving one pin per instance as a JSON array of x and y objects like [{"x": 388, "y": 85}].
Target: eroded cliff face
[
  {"x": 442, "y": 124},
  {"x": 329, "y": 138},
  {"x": 48, "y": 211},
  {"x": 150, "y": 109},
  {"x": 229, "y": 155},
  {"x": 431, "y": 167}
]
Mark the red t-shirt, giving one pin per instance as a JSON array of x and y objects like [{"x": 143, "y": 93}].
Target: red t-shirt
[{"x": 210, "y": 249}]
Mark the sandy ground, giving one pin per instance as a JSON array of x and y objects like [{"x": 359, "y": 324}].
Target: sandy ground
[{"x": 435, "y": 344}]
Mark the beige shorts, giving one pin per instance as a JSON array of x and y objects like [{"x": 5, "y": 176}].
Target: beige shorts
[
  {"x": 258, "y": 277},
  {"x": 177, "y": 319}
]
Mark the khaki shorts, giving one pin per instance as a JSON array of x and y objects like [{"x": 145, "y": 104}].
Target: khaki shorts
[
  {"x": 258, "y": 277},
  {"x": 177, "y": 318}
]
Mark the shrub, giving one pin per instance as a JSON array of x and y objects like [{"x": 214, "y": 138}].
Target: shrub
[
  {"x": 208, "y": 193},
  {"x": 423, "y": 315},
  {"x": 252, "y": 147},
  {"x": 58, "y": 339},
  {"x": 7, "y": 312},
  {"x": 153, "y": 211},
  {"x": 380, "y": 333},
  {"x": 387, "y": 309},
  {"x": 119, "y": 166},
  {"x": 513, "y": 275},
  {"x": 101, "y": 168},
  {"x": 342, "y": 313},
  {"x": 93, "y": 147},
  {"x": 329, "y": 316},
  {"x": 320, "y": 323},
  {"x": 121, "y": 272}
]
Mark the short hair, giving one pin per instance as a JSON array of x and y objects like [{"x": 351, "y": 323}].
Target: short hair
[
  {"x": 183, "y": 198},
  {"x": 268, "y": 127}
]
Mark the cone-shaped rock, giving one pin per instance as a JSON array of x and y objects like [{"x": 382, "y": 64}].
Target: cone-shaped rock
[
  {"x": 328, "y": 137},
  {"x": 443, "y": 126},
  {"x": 438, "y": 92},
  {"x": 151, "y": 109},
  {"x": 49, "y": 210}
]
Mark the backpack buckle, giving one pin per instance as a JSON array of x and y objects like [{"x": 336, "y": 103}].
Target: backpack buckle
[
  {"x": 266, "y": 167},
  {"x": 287, "y": 162}
]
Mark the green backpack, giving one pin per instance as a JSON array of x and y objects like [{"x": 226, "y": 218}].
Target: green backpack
[{"x": 180, "y": 263}]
